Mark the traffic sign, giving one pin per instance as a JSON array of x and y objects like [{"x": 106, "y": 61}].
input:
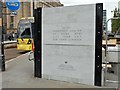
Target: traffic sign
[
  {"x": 13, "y": 5},
  {"x": 13, "y": 13}
]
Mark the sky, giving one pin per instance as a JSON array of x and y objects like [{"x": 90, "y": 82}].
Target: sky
[{"x": 108, "y": 5}]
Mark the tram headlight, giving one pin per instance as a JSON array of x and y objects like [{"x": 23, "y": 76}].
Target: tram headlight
[{"x": 29, "y": 41}]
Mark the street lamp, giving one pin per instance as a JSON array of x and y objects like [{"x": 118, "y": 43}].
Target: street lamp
[{"x": 106, "y": 49}]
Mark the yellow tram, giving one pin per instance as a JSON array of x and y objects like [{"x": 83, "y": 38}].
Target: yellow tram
[{"x": 24, "y": 34}]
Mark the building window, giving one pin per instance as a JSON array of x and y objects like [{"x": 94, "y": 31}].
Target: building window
[{"x": 11, "y": 22}]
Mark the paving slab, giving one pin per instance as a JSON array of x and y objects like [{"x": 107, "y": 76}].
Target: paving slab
[{"x": 20, "y": 74}]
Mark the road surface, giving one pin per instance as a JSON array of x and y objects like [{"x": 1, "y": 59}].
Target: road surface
[{"x": 12, "y": 53}]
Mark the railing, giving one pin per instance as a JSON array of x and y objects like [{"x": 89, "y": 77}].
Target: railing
[{"x": 9, "y": 42}]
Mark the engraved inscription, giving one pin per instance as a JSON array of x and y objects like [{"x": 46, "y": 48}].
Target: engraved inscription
[
  {"x": 67, "y": 35},
  {"x": 66, "y": 67}
]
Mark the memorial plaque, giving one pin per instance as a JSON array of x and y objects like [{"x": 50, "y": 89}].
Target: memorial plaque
[
  {"x": 67, "y": 26},
  {"x": 71, "y": 43}
]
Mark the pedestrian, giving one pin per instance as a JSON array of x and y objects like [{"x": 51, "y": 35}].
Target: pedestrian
[
  {"x": 13, "y": 36},
  {"x": 9, "y": 37}
]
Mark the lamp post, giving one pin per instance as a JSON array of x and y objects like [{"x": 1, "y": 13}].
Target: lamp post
[{"x": 106, "y": 49}]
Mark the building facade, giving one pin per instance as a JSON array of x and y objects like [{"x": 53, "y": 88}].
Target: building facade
[{"x": 10, "y": 22}]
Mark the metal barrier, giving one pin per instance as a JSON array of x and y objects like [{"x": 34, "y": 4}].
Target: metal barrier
[{"x": 31, "y": 56}]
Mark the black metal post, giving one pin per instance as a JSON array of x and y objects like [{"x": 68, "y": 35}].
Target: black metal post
[
  {"x": 33, "y": 6},
  {"x": 38, "y": 43},
  {"x": 2, "y": 40},
  {"x": 98, "y": 44}
]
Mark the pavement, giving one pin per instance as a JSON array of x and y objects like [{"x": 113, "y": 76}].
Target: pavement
[{"x": 20, "y": 74}]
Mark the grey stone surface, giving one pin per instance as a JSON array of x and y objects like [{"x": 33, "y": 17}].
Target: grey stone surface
[{"x": 69, "y": 43}]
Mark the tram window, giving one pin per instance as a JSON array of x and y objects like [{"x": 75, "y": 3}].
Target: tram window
[{"x": 26, "y": 33}]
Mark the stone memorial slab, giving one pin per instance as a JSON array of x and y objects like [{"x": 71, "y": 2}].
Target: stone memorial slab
[{"x": 69, "y": 43}]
